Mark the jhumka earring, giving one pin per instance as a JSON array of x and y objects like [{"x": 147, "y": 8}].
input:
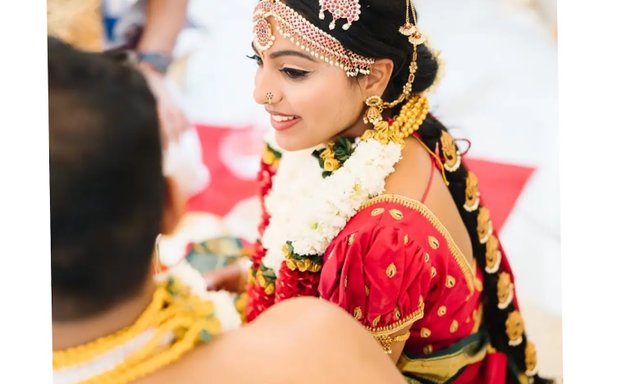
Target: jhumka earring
[{"x": 375, "y": 104}]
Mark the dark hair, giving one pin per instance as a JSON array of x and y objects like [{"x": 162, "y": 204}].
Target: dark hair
[
  {"x": 106, "y": 184},
  {"x": 376, "y": 35}
]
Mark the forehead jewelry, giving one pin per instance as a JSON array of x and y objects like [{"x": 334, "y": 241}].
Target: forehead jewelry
[
  {"x": 340, "y": 9},
  {"x": 269, "y": 97},
  {"x": 307, "y": 36}
]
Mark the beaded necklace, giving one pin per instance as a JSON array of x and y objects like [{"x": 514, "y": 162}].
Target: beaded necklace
[{"x": 175, "y": 321}]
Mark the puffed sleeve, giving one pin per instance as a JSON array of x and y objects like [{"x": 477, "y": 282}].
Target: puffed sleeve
[{"x": 377, "y": 271}]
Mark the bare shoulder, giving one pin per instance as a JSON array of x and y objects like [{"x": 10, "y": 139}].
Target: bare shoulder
[
  {"x": 411, "y": 174},
  {"x": 322, "y": 343},
  {"x": 303, "y": 340}
]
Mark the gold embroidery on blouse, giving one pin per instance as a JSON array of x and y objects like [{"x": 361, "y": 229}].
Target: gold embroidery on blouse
[
  {"x": 400, "y": 324},
  {"x": 396, "y": 214},
  {"x": 358, "y": 314},
  {"x": 433, "y": 242},
  {"x": 466, "y": 268},
  {"x": 391, "y": 270},
  {"x": 377, "y": 211}
]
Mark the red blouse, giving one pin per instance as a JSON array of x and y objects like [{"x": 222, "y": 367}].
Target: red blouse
[{"x": 395, "y": 264}]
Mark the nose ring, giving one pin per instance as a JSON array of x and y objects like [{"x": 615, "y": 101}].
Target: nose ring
[{"x": 269, "y": 97}]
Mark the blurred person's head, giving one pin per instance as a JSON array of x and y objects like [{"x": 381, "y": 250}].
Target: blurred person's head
[
  {"x": 312, "y": 101},
  {"x": 109, "y": 199}
]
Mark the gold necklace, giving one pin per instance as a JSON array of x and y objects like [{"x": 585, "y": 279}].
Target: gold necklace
[
  {"x": 411, "y": 116},
  {"x": 175, "y": 311}
]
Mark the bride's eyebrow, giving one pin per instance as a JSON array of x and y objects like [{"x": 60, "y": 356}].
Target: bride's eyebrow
[{"x": 287, "y": 52}]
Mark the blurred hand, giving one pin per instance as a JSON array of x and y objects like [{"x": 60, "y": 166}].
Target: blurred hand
[
  {"x": 231, "y": 278},
  {"x": 173, "y": 121}
]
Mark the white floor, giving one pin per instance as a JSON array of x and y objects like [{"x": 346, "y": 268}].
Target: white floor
[{"x": 499, "y": 90}]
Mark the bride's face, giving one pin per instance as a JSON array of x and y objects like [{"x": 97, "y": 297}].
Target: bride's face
[{"x": 311, "y": 100}]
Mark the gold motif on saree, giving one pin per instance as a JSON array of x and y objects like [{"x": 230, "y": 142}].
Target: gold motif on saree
[
  {"x": 451, "y": 154},
  {"x": 441, "y": 311},
  {"x": 484, "y": 225},
  {"x": 450, "y": 281},
  {"x": 358, "y": 314},
  {"x": 454, "y": 326},
  {"x": 391, "y": 270},
  {"x": 472, "y": 193},
  {"x": 514, "y": 328},
  {"x": 505, "y": 290},
  {"x": 493, "y": 255},
  {"x": 425, "y": 332}
]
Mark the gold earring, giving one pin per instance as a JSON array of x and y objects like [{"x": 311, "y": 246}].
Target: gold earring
[
  {"x": 374, "y": 112},
  {"x": 269, "y": 98}
]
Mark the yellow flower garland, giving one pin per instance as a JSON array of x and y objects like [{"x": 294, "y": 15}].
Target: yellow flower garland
[{"x": 174, "y": 310}]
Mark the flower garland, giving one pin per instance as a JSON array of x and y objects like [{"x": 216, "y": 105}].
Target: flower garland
[
  {"x": 321, "y": 207},
  {"x": 304, "y": 209},
  {"x": 180, "y": 316}
]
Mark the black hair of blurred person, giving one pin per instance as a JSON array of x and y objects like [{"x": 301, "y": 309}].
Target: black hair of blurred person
[{"x": 107, "y": 191}]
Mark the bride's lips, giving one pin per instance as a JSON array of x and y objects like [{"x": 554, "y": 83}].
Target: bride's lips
[{"x": 282, "y": 121}]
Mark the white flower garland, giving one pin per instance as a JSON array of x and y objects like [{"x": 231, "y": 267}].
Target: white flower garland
[{"x": 309, "y": 210}]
